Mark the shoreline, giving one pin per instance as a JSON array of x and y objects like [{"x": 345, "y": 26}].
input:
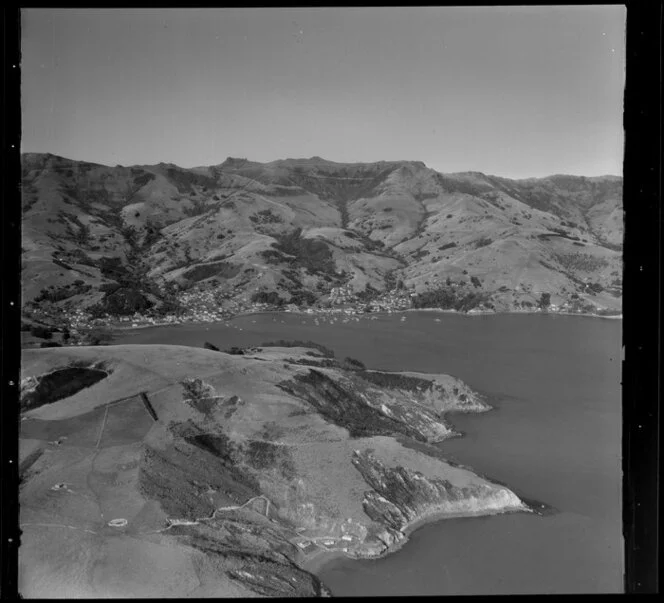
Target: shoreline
[
  {"x": 315, "y": 315},
  {"x": 315, "y": 562},
  {"x": 510, "y": 312},
  {"x": 319, "y": 559}
]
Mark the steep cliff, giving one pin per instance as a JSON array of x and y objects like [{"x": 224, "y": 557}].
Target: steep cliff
[{"x": 401, "y": 496}]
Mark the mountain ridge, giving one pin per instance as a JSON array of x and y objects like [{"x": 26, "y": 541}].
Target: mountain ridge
[
  {"x": 313, "y": 158},
  {"x": 294, "y": 230}
]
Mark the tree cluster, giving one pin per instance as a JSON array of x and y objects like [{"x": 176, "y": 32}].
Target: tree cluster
[
  {"x": 310, "y": 254},
  {"x": 450, "y": 299},
  {"x": 267, "y": 297}
]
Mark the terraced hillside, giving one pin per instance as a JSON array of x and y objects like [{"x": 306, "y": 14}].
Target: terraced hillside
[{"x": 124, "y": 239}]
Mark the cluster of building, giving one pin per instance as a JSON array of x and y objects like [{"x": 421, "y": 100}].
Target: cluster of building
[
  {"x": 215, "y": 306},
  {"x": 580, "y": 307},
  {"x": 341, "y": 295},
  {"x": 72, "y": 319},
  {"x": 392, "y": 301},
  {"x": 576, "y": 306}
]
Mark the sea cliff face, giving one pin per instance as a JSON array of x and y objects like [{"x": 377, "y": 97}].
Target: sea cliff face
[
  {"x": 237, "y": 469},
  {"x": 401, "y": 496}
]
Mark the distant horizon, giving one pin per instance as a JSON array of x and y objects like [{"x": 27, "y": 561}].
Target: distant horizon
[
  {"x": 548, "y": 175},
  {"x": 522, "y": 91}
]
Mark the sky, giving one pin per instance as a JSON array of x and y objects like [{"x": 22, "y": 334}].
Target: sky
[{"x": 510, "y": 91}]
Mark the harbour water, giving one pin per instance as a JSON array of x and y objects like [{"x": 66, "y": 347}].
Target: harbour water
[{"x": 554, "y": 436}]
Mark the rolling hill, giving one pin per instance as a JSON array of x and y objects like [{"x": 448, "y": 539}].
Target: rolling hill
[
  {"x": 170, "y": 471},
  {"x": 120, "y": 239}
]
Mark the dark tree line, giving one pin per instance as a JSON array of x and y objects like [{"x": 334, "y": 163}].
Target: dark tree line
[{"x": 450, "y": 299}]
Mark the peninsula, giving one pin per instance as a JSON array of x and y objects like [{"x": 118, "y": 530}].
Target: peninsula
[{"x": 173, "y": 471}]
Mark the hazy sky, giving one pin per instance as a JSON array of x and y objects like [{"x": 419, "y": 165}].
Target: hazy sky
[{"x": 516, "y": 92}]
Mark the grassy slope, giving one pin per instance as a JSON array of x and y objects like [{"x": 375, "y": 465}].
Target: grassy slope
[
  {"x": 233, "y": 211},
  {"x": 308, "y": 475}
]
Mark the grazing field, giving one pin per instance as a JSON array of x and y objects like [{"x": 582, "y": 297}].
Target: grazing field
[
  {"x": 191, "y": 471},
  {"x": 126, "y": 423},
  {"x": 82, "y": 430}
]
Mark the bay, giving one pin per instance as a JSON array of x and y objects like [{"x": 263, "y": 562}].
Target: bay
[{"x": 554, "y": 436}]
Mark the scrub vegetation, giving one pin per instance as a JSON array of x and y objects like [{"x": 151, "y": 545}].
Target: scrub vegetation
[{"x": 60, "y": 384}]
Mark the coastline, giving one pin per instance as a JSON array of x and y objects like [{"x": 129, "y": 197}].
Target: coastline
[
  {"x": 322, "y": 561},
  {"x": 510, "y": 312},
  {"x": 315, "y": 315},
  {"x": 315, "y": 562}
]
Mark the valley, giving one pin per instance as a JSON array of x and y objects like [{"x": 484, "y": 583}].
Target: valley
[{"x": 162, "y": 244}]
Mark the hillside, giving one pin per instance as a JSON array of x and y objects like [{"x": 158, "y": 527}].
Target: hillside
[
  {"x": 124, "y": 239},
  {"x": 168, "y": 471}
]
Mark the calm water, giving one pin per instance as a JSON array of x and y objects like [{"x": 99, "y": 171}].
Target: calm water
[{"x": 555, "y": 436}]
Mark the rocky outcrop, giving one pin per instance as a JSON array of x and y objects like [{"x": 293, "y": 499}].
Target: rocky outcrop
[
  {"x": 343, "y": 407},
  {"x": 401, "y": 496},
  {"x": 349, "y": 403},
  {"x": 257, "y": 555},
  {"x": 438, "y": 393},
  {"x": 28, "y": 386}
]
